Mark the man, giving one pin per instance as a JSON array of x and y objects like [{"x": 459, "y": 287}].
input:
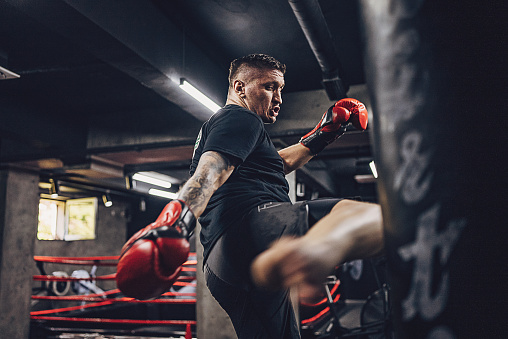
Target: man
[{"x": 239, "y": 191}]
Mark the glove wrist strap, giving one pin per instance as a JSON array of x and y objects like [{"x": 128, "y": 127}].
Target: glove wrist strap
[
  {"x": 317, "y": 141},
  {"x": 187, "y": 220}
]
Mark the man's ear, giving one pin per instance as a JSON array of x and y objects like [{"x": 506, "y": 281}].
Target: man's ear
[{"x": 239, "y": 87}]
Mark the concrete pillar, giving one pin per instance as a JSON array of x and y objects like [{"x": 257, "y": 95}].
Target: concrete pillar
[
  {"x": 291, "y": 179},
  {"x": 212, "y": 321},
  {"x": 19, "y": 201}
]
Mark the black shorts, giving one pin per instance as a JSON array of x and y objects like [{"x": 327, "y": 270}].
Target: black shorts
[{"x": 254, "y": 312}]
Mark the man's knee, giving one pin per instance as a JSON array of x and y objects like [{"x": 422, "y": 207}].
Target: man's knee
[{"x": 320, "y": 208}]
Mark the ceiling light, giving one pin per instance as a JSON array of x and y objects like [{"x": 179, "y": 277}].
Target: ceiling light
[
  {"x": 161, "y": 193},
  {"x": 6, "y": 74},
  {"x": 129, "y": 183},
  {"x": 153, "y": 178},
  {"x": 196, "y": 94},
  {"x": 54, "y": 189},
  {"x": 106, "y": 199},
  {"x": 365, "y": 178},
  {"x": 372, "y": 166}
]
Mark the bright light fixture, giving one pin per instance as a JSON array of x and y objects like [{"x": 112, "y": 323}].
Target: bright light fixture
[
  {"x": 54, "y": 189},
  {"x": 107, "y": 200},
  {"x": 153, "y": 178},
  {"x": 372, "y": 166},
  {"x": 196, "y": 94},
  {"x": 6, "y": 74},
  {"x": 161, "y": 193}
]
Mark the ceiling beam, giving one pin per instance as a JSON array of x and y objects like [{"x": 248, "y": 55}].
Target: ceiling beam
[{"x": 135, "y": 38}]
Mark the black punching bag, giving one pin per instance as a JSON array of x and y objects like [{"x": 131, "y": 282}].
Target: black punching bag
[{"x": 436, "y": 72}]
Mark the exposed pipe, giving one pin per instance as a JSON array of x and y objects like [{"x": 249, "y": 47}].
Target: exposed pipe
[{"x": 312, "y": 21}]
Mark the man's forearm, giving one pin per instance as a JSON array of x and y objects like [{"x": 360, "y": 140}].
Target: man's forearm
[
  {"x": 212, "y": 171},
  {"x": 294, "y": 157}
]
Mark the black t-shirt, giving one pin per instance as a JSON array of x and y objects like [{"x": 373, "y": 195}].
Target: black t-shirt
[{"x": 238, "y": 132}]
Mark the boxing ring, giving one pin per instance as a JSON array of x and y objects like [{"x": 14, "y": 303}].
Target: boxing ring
[
  {"x": 109, "y": 311},
  {"x": 76, "y": 304}
]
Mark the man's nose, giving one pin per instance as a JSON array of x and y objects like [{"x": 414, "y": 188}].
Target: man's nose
[{"x": 277, "y": 97}]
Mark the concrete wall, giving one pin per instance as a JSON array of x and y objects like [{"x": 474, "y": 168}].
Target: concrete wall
[
  {"x": 111, "y": 231},
  {"x": 19, "y": 200}
]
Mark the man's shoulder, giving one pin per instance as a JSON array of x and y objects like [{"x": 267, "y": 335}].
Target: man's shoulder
[{"x": 236, "y": 109}]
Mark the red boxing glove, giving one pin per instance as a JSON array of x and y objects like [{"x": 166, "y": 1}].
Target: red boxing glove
[
  {"x": 359, "y": 115},
  {"x": 333, "y": 124},
  {"x": 151, "y": 259}
]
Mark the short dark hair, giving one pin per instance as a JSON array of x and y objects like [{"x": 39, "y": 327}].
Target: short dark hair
[{"x": 260, "y": 61}]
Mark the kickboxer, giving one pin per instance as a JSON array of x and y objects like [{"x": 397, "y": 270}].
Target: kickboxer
[{"x": 238, "y": 191}]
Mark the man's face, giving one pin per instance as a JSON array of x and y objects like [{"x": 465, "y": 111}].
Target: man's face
[{"x": 263, "y": 93}]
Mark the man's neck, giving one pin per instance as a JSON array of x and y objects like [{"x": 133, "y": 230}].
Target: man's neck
[{"x": 234, "y": 100}]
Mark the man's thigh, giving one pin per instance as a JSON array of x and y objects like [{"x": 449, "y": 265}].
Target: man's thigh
[
  {"x": 234, "y": 251},
  {"x": 227, "y": 270},
  {"x": 319, "y": 208}
]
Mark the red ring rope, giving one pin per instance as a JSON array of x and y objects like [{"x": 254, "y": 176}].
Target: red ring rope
[
  {"x": 334, "y": 288},
  {"x": 98, "y": 300},
  {"x": 101, "y": 277},
  {"x": 320, "y": 314},
  {"x": 114, "y": 300},
  {"x": 73, "y": 308},
  {"x": 79, "y": 260},
  {"x": 89, "y": 260},
  {"x": 118, "y": 321}
]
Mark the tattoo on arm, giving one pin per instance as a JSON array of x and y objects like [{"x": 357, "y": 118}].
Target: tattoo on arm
[{"x": 212, "y": 171}]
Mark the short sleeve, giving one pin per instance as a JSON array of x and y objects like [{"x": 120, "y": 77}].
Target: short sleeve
[{"x": 234, "y": 134}]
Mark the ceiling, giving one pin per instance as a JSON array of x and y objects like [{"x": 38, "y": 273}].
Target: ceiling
[{"x": 98, "y": 98}]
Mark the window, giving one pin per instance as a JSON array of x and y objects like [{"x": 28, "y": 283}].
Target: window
[
  {"x": 51, "y": 219},
  {"x": 73, "y": 219},
  {"x": 81, "y": 217}
]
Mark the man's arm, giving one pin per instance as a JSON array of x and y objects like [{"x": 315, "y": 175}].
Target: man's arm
[
  {"x": 151, "y": 260},
  {"x": 212, "y": 171},
  {"x": 331, "y": 126},
  {"x": 294, "y": 157}
]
